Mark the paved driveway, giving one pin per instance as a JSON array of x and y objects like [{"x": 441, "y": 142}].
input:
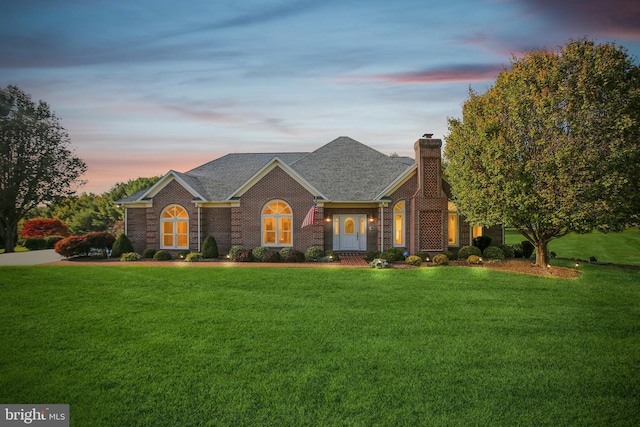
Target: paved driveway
[{"x": 29, "y": 258}]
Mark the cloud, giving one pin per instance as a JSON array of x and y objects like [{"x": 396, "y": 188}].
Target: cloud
[
  {"x": 454, "y": 74},
  {"x": 617, "y": 18}
]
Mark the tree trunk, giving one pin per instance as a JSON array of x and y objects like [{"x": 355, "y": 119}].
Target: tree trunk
[
  {"x": 10, "y": 238},
  {"x": 542, "y": 254}
]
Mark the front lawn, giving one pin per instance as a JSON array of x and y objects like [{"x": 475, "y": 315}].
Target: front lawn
[{"x": 159, "y": 346}]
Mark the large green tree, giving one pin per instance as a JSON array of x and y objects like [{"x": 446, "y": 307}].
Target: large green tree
[
  {"x": 553, "y": 146},
  {"x": 36, "y": 164}
]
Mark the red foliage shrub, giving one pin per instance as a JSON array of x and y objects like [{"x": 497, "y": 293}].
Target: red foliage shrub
[
  {"x": 42, "y": 227},
  {"x": 81, "y": 245}
]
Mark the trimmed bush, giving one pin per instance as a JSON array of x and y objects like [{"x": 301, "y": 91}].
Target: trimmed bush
[
  {"x": 441, "y": 259},
  {"x": 82, "y": 245},
  {"x": 284, "y": 252},
  {"x": 194, "y": 257},
  {"x": 473, "y": 259},
  {"x": 379, "y": 263},
  {"x": 493, "y": 252},
  {"x": 259, "y": 252},
  {"x": 517, "y": 250},
  {"x": 293, "y": 255},
  {"x": 148, "y": 253},
  {"x": 413, "y": 260},
  {"x": 482, "y": 242},
  {"x": 313, "y": 253},
  {"x": 424, "y": 256},
  {"x": 52, "y": 240},
  {"x": 210, "y": 248},
  {"x": 465, "y": 251},
  {"x": 271, "y": 255},
  {"x": 507, "y": 250},
  {"x": 393, "y": 254},
  {"x": 234, "y": 251},
  {"x": 162, "y": 256},
  {"x": 527, "y": 249},
  {"x": 35, "y": 243},
  {"x": 122, "y": 245},
  {"x": 451, "y": 255},
  {"x": 130, "y": 256},
  {"x": 371, "y": 255},
  {"x": 243, "y": 256}
]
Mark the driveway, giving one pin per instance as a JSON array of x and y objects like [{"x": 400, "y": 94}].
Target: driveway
[{"x": 29, "y": 258}]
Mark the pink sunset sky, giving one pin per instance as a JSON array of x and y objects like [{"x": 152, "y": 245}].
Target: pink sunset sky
[{"x": 145, "y": 87}]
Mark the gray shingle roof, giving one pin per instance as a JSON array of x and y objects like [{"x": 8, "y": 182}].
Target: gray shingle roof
[{"x": 342, "y": 170}]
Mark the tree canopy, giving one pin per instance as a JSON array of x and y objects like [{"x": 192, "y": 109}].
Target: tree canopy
[
  {"x": 553, "y": 146},
  {"x": 37, "y": 165}
]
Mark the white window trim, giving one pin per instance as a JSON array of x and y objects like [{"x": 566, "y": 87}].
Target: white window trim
[
  {"x": 404, "y": 224},
  {"x": 277, "y": 224},
  {"x": 174, "y": 221}
]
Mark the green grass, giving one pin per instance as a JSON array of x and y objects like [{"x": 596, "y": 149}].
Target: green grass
[
  {"x": 617, "y": 248},
  {"x": 145, "y": 346}
]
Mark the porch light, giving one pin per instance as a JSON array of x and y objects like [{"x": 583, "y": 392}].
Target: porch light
[
  {"x": 327, "y": 219},
  {"x": 370, "y": 218}
]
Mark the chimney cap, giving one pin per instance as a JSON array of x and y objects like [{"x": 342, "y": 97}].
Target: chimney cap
[{"x": 427, "y": 135}]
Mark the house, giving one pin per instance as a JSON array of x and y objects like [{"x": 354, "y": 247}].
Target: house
[{"x": 364, "y": 201}]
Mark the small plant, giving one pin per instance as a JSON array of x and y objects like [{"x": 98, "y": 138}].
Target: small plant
[
  {"x": 517, "y": 250},
  {"x": 424, "y": 256},
  {"x": 234, "y": 251},
  {"x": 271, "y": 255},
  {"x": 194, "y": 257},
  {"x": 527, "y": 249},
  {"x": 210, "y": 248},
  {"x": 379, "y": 263},
  {"x": 451, "y": 255},
  {"x": 148, "y": 253},
  {"x": 162, "y": 255},
  {"x": 393, "y": 254},
  {"x": 465, "y": 251},
  {"x": 130, "y": 257},
  {"x": 508, "y": 251},
  {"x": 259, "y": 252},
  {"x": 243, "y": 256},
  {"x": 493, "y": 253},
  {"x": 313, "y": 253},
  {"x": 294, "y": 256},
  {"x": 413, "y": 260},
  {"x": 122, "y": 245},
  {"x": 441, "y": 259},
  {"x": 473, "y": 259}
]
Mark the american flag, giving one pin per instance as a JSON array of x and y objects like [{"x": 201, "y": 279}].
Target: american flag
[{"x": 310, "y": 219}]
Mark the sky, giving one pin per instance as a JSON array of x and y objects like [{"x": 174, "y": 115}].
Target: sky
[{"x": 143, "y": 87}]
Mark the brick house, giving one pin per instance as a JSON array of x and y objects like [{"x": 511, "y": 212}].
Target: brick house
[{"x": 364, "y": 201}]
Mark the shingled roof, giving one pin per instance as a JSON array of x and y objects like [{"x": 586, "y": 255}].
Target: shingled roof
[{"x": 342, "y": 170}]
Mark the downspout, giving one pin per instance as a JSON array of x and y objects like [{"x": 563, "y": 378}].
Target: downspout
[
  {"x": 199, "y": 236},
  {"x": 381, "y": 227},
  {"x": 126, "y": 222}
]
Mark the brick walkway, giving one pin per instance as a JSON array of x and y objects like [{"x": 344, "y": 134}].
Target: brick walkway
[{"x": 353, "y": 260}]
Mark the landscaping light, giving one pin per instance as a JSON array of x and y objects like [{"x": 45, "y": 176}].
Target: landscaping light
[
  {"x": 577, "y": 265},
  {"x": 548, "y": 265}
]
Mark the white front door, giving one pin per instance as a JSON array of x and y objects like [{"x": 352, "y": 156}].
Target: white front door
[{"x": 350, "y": 232}]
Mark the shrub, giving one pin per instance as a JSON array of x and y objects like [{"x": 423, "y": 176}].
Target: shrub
[
  {"x": 271, "y": 255},
  {"x": 451, "y": 255},
  {"x": 182, "y": 254},
  {"x": 122, "y": 245},
  {"x": 259, "y": 252},
  {"x": 482, "y": 242},
  {"x": 81, "y": 245},
  {"x": 527, "y": 249},
  {"x": 234, "y": 251},
  {"x": 162, "y": 255},
  {"x": 371, "y": 255},
  {"x": 473, "y": 259},
  {"x": 465, "y": 251},
  {"x": 413, "y": 260},
  {"x": 424, "y": 256},
  {"x": 507, "y": 250},
  {"x": 130, "y": 256},
  {"x": 43, "y": 227},
  {"x": 313, "y": 253},
  {"x": 441, "y": 259},
  {"x": 194, "y": 257},
  {"x": 210, "y": 248},
  {"x": 294, "y": 256},
  {"x": 493, "y": 252},
  {"x": 517, "y": 250},
  {"x": 35, "y": 243},
  {"x": 52, "y": 240},
  {"x": 284, "y": 252},
  {"x": 379, "y": 263},
  {"x": 243, "y": 256},
  {"x": 333, "y": 256},
  {"x": 148, "y": 253},
  {"x": 393, "y": 254}
]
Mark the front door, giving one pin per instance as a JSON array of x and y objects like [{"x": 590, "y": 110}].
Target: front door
[{"x": 349, "y": 232}]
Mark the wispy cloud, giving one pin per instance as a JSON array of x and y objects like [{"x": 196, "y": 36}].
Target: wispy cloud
[{"x": 454, "y": 74}]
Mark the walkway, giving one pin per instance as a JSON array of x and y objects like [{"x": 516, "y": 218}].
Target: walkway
[
  {"x": 353, "y": 260},
  {"x": 29, "y": 258}
]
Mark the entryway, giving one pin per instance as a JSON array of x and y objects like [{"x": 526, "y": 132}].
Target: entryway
[{"x": 350, "y": 232}]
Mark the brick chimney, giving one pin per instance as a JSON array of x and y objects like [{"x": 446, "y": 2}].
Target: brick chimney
[{"x": 429, "y": 161}]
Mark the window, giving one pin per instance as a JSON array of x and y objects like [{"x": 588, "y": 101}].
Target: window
[
  {"x": 476, "y": 231},
  {"x": 452, "y": 225},
  {"x": 398, "y": 224},
  {"x": 277, "y": 224},
  {"x": 174, "y": 228}
]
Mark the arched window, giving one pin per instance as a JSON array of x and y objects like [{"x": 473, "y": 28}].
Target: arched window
[
  {"x": 398, "y": 224},
  {"x": 277, "y": 224},
  {"x": 174, "y": 228},
  {"x": 452, "y": 225}
]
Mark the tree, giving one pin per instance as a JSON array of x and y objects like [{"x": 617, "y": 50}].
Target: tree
[
  {"x": 553, "y": 146},
  {"x": 36, "y": 164},
  {"x": 43, "y": 227}
]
